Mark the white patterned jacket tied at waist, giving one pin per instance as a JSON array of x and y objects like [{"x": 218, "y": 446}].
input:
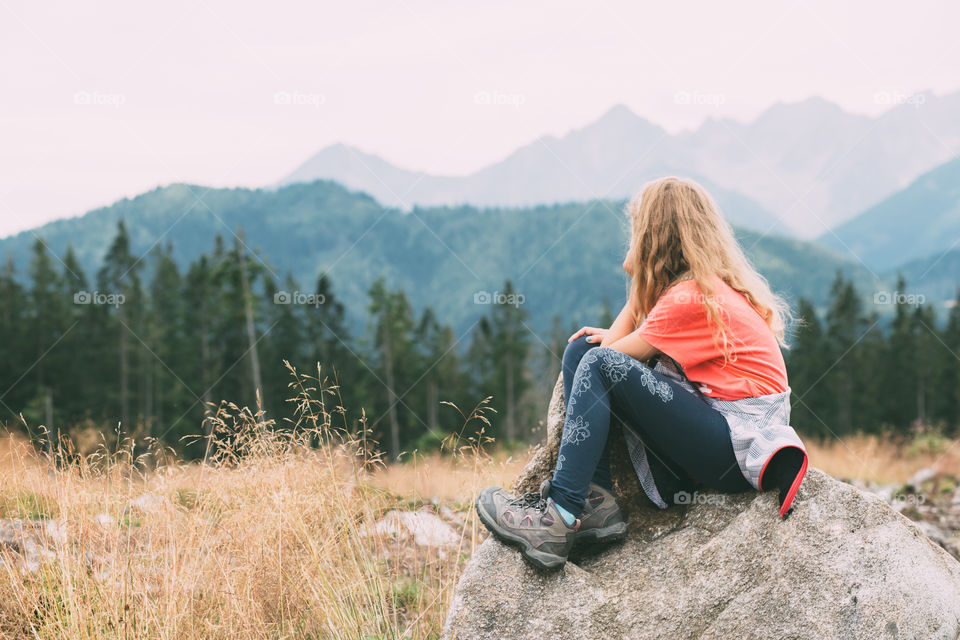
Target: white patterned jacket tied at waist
[{"x": 759, "y": 427}]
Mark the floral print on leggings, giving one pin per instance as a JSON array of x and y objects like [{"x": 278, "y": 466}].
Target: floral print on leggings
[{"x": 614, "y": 367}]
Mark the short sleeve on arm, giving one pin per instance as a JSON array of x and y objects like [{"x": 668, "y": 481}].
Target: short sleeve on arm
[{"x": 677, "y": 326}]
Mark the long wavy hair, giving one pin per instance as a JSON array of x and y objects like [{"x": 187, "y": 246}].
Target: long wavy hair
[{"x": 678, "y": 233}]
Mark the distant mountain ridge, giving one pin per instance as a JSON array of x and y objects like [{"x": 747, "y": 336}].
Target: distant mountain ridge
[
  {"x": 395, "y": 187},
  {"x": 937, "y": 277},
  {"x": 808, "y": 165},
  {"x": 919, "y": 221}
]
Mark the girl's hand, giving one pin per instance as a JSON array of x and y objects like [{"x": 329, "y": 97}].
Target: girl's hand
[{"x": 593, "y": 334}]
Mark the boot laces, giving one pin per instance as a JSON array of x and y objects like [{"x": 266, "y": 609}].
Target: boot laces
[{"x": 533, "y": 499}]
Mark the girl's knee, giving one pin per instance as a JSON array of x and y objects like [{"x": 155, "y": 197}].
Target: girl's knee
[
  {"x": 609, "y": 357},
  {"x": 613, "y": 365},
  {"x": 574, "y": 351}
]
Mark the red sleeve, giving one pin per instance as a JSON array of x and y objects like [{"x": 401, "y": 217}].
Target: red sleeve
[{"x": 677, "y": 326}]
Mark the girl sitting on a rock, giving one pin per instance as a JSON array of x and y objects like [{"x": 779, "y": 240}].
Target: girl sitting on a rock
[{"x": 691, "y": 367}]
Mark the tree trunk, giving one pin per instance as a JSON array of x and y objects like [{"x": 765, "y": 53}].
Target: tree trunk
[
  {"x": 511, "y": 400},
  {"x": 433, "y": 420},
  {"x": 158, "y": 381},
  {"x": 206, "y": 399},
  {"x": 251, "y": 326},
  {"x": 391, "y": 393},
  {"x": 124, "y": 382},
  {"x": 921, "y": 401},
  {"x": 53, "y": 434},
  {"x": 148, "y": 374}
]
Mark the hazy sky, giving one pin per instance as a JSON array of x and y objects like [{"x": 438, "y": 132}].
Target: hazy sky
[{"x": 100, "y": 100}]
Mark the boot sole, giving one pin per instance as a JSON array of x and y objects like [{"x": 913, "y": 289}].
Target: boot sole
[
  {"x": 602, "y": 535},
  {"x": 539, "y": 559}
]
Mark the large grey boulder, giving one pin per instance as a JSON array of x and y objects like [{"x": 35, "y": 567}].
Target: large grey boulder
[{"x": 843, "y": 565}]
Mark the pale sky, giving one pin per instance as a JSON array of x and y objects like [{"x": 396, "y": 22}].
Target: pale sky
[{"x": 101, "y": 100}]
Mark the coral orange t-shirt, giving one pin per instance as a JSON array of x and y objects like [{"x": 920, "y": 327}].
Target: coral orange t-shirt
[{"x": 678, "y": 326}]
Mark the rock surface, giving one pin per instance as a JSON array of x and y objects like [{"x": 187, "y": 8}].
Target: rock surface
[
  {"x": 427, "y": 529},
  {"x": 29, "y": 543},
  {"x": 844, "y": 565}
]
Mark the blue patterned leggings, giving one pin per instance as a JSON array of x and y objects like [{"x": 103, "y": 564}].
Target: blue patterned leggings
[{"x": 685, "y": 438}]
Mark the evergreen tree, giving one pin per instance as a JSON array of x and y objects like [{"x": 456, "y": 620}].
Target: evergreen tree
[
  {"x": 327, "y": 333},
  {"x": 48, "y": 326},
  {"x": 229, "y": 336},
  {"x": 167, "y": 394},
  {"x": 607, "y": 315},
  {"x": 481, "y": 376},
  {"x": 926, "y": 364},
  {"x": 870, "y": 360},
  {"x": 16, "y": 346},
  {"x": 77, "y": 393},
  {"x": 844, "y": 329},
  {"x": 441, "y": 377},
  {"x": 392, "y": 321},
  {"x": 510, "y": 350},
  {"x": 330, "y": 344},
  {"x": 203, "y": 363},
  {"x": 120, "y": 294},
  {"x": 285, "y": 341},
  {"x": 558, "y": 344},
  {"x": 948, "y": 389},
  {"x": 806, "y": 366},
  {"x": 248, "y": 272},
  {"x": 899, "y": 398}
]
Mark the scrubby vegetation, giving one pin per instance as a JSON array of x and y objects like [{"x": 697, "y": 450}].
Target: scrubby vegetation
[{"x": 274, "y": 536}]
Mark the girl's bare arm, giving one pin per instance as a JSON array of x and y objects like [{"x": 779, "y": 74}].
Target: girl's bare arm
[
  {"x": 635, "y": 347},
  {"x": 621, "y": 327},
  {"x": 622, "y": 336}
]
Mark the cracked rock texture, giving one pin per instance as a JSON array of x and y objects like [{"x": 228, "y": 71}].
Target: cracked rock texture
[{"x": 843, "y": 565}]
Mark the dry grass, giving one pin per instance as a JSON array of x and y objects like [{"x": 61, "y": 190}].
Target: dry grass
[
  {"x": 448, "y": 480},
  {"x": 885, "y": 459},
  {"x": 269, "y": 539}
]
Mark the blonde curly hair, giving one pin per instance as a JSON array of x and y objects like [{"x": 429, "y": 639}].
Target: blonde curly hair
[{"x": 678, "y": 233}]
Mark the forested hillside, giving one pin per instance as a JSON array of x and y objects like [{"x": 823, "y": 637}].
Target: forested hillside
[
  {"x": 919, "y": 223},
  {"x": 563, "y": 259},
  {"x": 144, "y": 348}
]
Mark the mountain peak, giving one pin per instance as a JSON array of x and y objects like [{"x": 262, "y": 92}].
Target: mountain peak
[
  {"x": 620, "y": 117},
  {"x": 339, "y": 150},
  {"x": 618, "y": 122},
  {"x": 619, "y": 112},
  {"x": 809, "y": 108}
]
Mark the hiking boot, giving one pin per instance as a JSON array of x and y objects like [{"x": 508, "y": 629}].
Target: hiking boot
[
  {"x": 601, "y": 520},
  {"x": 530, "y": 522}
]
